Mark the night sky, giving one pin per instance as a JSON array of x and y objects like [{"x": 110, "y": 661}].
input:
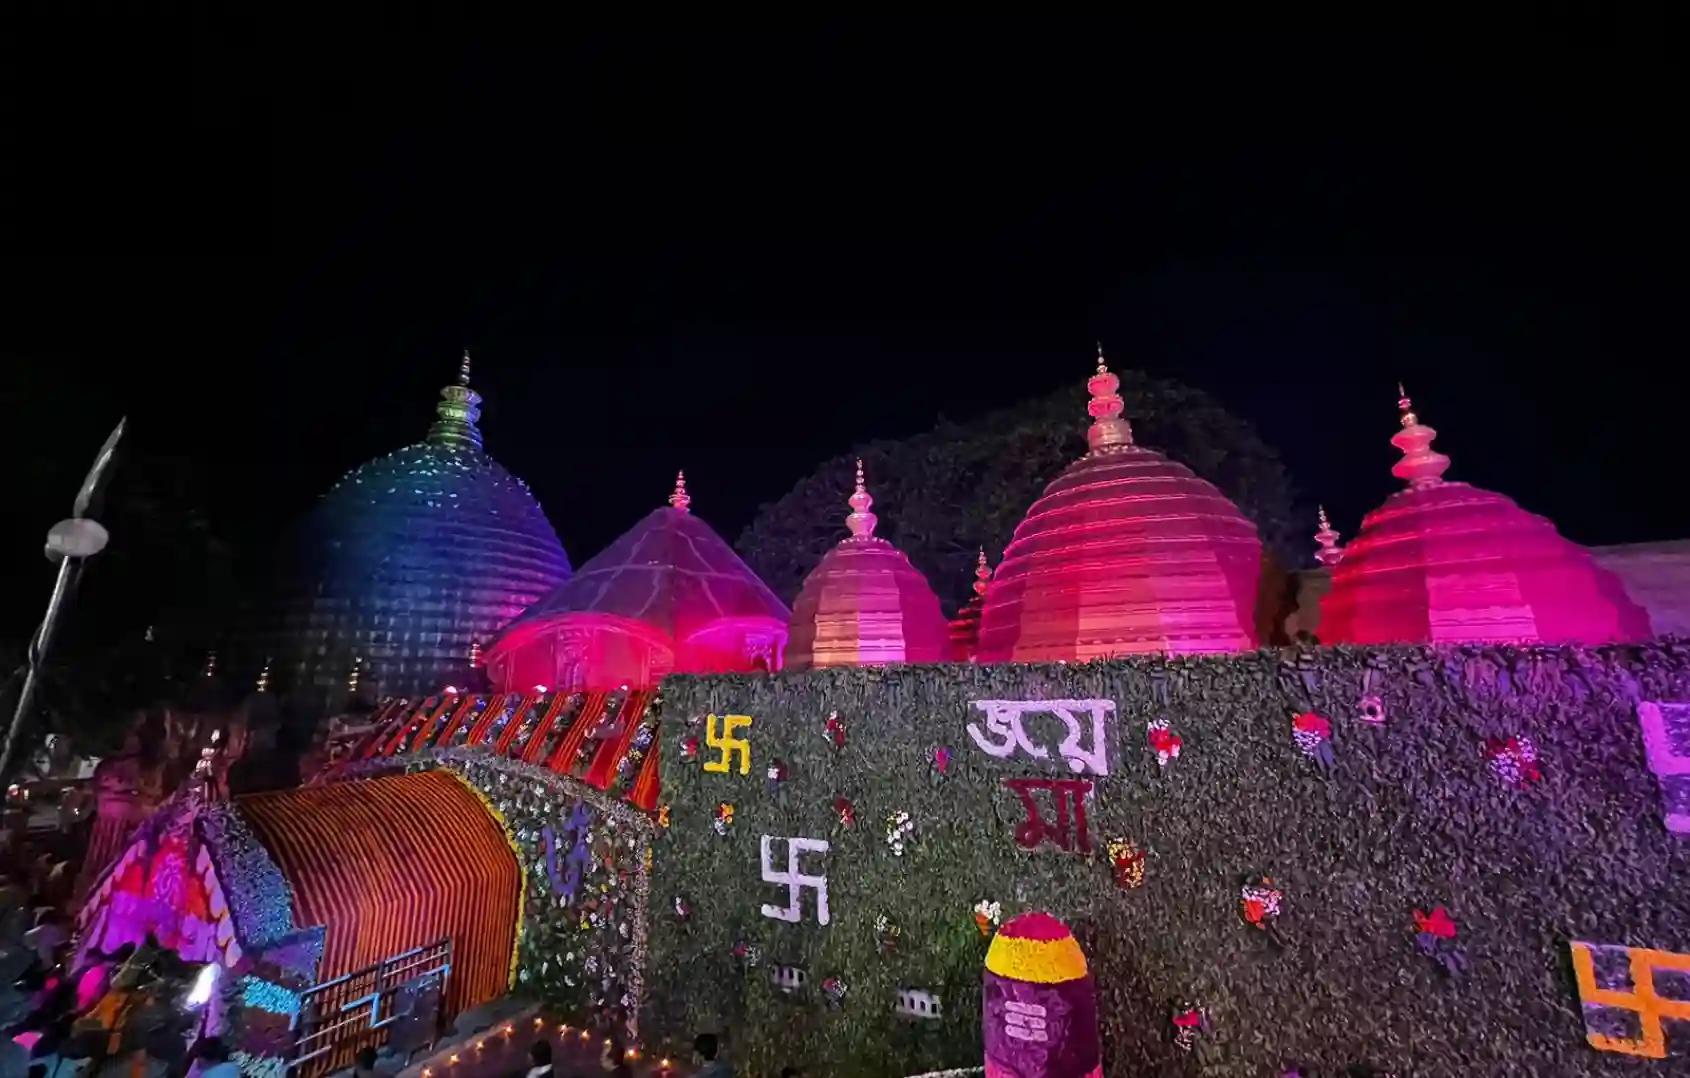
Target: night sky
[{"x": 741, "y": 253}]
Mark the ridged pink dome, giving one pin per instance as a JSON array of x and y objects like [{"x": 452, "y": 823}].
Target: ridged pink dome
[
  {"x": 668, "y": 596},
  {"x": 1449, "y": 563},
  {"x": 1125, "y": 552},
  {"x": 864, "y": 604}
]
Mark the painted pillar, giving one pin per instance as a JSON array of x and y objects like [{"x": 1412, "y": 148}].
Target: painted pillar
[{"x": 1040, "y": 1003}]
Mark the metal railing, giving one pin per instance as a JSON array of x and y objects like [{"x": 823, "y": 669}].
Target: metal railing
[{"x": 366, "y": 1006}]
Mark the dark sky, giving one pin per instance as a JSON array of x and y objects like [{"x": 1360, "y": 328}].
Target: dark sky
[{"x": 742, "y": 252}]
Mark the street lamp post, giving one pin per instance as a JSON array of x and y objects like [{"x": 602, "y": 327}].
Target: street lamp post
[{"x": 69, "y": 542}]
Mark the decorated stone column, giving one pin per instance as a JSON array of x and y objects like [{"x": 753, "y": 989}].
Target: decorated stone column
[{"x": 1040, "y": 1003}]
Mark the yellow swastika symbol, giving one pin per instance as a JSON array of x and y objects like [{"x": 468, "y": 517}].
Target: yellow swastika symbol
[
  {"x": 1642, "y": 1000},
  {"x": 728, "y": 744}
]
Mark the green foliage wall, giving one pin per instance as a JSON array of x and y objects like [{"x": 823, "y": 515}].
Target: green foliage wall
[{"x": 1411, "y": 817}]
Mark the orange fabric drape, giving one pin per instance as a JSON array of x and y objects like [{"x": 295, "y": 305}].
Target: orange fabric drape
[{"x": 392, "y": 863}]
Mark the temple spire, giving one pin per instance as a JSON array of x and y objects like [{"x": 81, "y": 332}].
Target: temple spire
[
  {"x": 1421, "y": 466},
  {"x": 861, "y": 521},
  {"x": 459, "y": 409},
  {"x": 680, "y": 499},
  {"x": 1108, "y": 429},
  {"x": 982, "y": 575},
  {"x": 1329, "y": 553}
]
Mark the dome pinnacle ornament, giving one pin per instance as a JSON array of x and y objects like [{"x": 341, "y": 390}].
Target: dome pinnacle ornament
[
  {"x": 861, "y": 521},
  {"x": 459, "y": 410},
  {"x": 680, "y": 499},
  {"x": 1108, "y": 429},
  {"x": 1421, "y": 466},
  {"x": 1329, "y": 553}
]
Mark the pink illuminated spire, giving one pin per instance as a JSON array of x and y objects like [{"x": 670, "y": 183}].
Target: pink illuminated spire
[
  {"x": 1421, "y": 466},
  {"x": 680, "y": 499},
  {"x": 982, "y": 575},
  {"x": 1108, "y": 429},
  {"x": 861, "y": 521},
  {"x": 1329, "y": 554}
]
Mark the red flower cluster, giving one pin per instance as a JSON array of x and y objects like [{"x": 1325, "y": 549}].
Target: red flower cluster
[
  {"x": 1438, "y": 923},
  {"x": 1310, "y": 723},
  {"x": 834, "y": 729}
]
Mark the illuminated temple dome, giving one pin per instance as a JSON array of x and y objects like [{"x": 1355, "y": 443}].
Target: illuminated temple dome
[
  {"x": 1444, "y": 562},
  {"x": 1125, "y": 552},
  {"x": 864, "y": 604},
  {"x": 409, "y": 562},
  {"x": 669, "y": 595}
]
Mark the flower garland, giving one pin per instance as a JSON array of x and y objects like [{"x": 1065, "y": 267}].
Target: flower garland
[
  {"x": 259, "y": 896},
  {"x": 489, "y": 774}
]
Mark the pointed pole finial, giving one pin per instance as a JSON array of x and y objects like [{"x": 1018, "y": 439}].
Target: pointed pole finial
[
  {"x": 982, "y": 574},
  {"x": 1108, "y": 429},
  {"x": 1421, "y": 466},
  {"x": 680, "y": 499},
  {"x": 1329, "y": 554},
  {"x": 861, "y": 521},
  {"x": 263, "y": 684},
  {"x": 459, "y": 410}
]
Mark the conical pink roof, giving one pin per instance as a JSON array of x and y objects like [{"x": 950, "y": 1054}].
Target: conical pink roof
[
  {"x": 670, "y": 571},
  {"x": 1125, "y": 552},
  {"x": 865, "y": 604},
  {"x": 1445, "y": 562}
]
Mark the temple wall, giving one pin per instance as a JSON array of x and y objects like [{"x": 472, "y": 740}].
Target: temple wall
[{"x": 1434, "y": 870}]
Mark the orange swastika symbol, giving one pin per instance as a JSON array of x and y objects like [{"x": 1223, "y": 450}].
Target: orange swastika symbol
[{"x": 1641, "y": 1000}]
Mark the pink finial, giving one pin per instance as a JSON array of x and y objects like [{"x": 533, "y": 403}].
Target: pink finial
[
  {"x": 1421, "y": 466},
  {"x": 1329, "y": 554},
  {"x": 679, "y": 499},
  {"x": 1108, "y": 429},
  {"x": 982, "y": 574},
  {"x": 861, "y": 521}
]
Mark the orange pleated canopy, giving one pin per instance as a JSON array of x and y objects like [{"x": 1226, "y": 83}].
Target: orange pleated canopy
[{"x": 392, "y": 863}]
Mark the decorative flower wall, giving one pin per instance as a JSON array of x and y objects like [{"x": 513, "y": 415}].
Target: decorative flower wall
[{"x": 1277, "y": 887}]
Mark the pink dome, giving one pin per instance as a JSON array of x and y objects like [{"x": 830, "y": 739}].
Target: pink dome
[
  {"x": 1125, "y": 552},
  {"x": 1445, "y": 562},
  {"x": 669, "y": 596},
  {"x": 865, "y": 604}
]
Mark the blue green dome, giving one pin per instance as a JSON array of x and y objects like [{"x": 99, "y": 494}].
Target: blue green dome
[{"x": 409, "y": 562}]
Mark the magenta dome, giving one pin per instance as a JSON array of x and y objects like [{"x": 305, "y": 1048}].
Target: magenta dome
[
  {"x": 668, "y": 596},
  {"x": 1125, "y": 552},
  {"x": 864, "y": 604},
  {"x": 1446, "y": 562}
]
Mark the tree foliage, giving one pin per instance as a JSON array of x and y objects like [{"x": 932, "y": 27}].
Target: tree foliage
[{"x": 943, "y": 494}]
